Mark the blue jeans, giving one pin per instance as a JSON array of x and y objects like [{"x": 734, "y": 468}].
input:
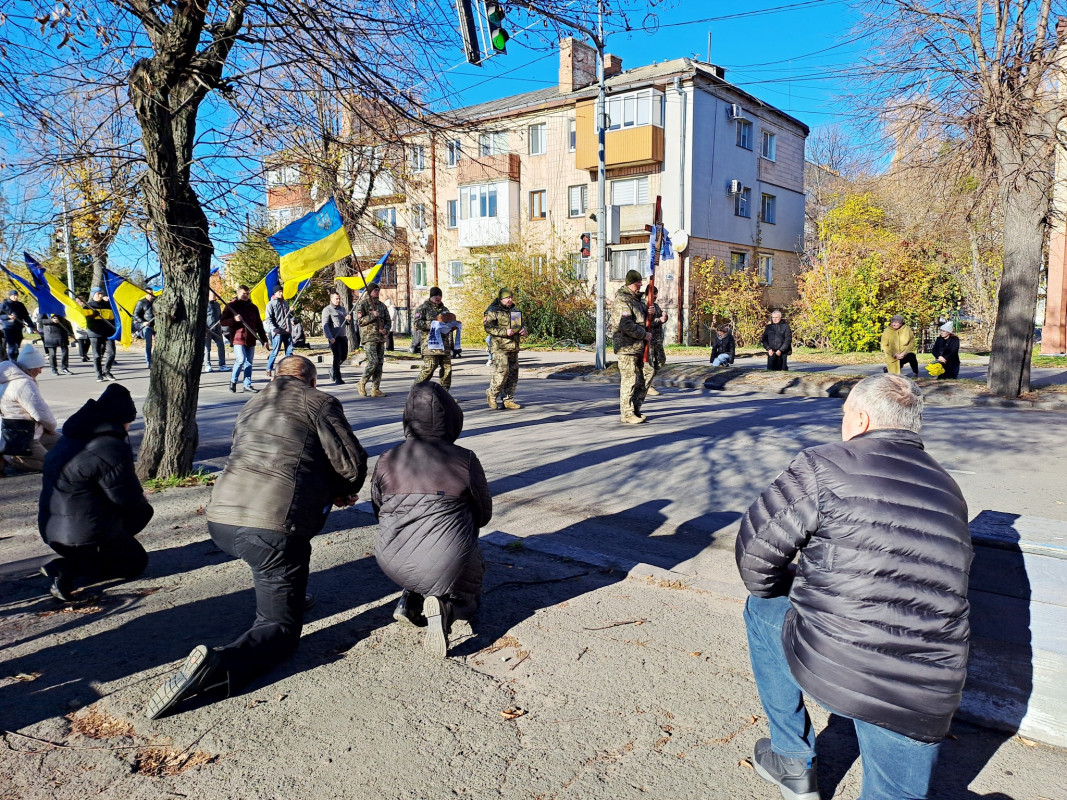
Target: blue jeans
[
  {"x": 148, "y": 335},
  {"x": 242, "y": 360},
  {"x": 276, "y": 346},
  {"x": 721, "y": 360},
  {"x": 894, "y": 766}
]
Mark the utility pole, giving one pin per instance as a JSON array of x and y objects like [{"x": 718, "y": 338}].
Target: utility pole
[
  {"x": 66, "y": 243},
  {"x": 601, "y": 193}
]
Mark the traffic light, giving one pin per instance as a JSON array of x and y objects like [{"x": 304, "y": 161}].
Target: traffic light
[
  {"x": 498, "y": 37},
  {"x": 587, "y": 240},
  {"x": 469, "y": 32}
]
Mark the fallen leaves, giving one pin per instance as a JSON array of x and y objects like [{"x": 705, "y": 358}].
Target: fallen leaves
[
  {"x": 71, "y": 610},
  {"x": 165, "y": 761},
  {"x": 513, "y": 712},
  {"x": 1027, "y": 742},
  {"x": 97, "y": 724},
  {"x": 502, "y": 643},
  {"x": 26, "y": 677},
  {"x": 746, "y": 763}
]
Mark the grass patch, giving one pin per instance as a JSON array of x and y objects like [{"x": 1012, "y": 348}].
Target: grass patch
[
  {"x": 1037, "y": 360},
  {"x": 200, "y": 477}
]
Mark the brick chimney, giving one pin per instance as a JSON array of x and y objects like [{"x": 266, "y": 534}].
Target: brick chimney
[
  {"x": 612, "y": 65},
  {"x": 577, "y": 65}
]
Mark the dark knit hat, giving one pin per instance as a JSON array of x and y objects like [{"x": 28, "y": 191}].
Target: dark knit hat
[
  {"x": 504, "y": 293},
  {"x": 116, "y": 405},
  {"x": 633, "y": 276},
  {"x": 373, "y": 287},
  {"x": 435, "y": 291}
]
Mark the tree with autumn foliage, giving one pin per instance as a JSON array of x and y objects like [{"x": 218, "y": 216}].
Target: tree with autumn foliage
[{"x": 732, "y": 296}]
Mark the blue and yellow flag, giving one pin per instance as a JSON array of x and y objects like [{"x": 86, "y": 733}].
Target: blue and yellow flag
[
  {"x": 312, "y": 242},
  {"x": 261, "y": 292},
  {"x": 357, "y": 283},
  {"x": 123, "y": 296},
  {"x": 50, "y": 293}
]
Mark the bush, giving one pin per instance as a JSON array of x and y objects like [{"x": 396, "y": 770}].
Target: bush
[{"x": 733, "y": 297}]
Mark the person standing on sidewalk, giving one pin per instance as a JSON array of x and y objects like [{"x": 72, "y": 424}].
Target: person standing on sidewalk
[
  {"x": 13, "y": 318},
  {"x": 628, "y": 339},
  {"x": 55, "y": 335},
  {"x": 372, "y": 317},
  {"x": 432, "y": 360},
  {"x": 898, "y": 346},
  {"x": 431, "y": 497},
  {"x": 657, "y": 356},
  {"x": 144, "y": 322},
  {"x": 213, "y": 333},
  {"x": 241, "y": 318},
  {"x": 293, "y": 454},
  {"x": 101, "y": 321},
  {"x": 503, "y": 323},
  {"x": 777, "y": 340},
  {"x": 872, "y": 620},
  {"x": 279, "y": 325},
  {"x": 335, "y": 322}
]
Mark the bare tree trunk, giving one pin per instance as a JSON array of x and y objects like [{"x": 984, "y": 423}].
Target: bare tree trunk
[
  {"x": 1027, "y": 203},
  {"x": 99, "y": 256}
]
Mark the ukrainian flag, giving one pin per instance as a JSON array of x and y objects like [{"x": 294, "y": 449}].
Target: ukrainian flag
[
  {"x": 50, "y": 293},
  {"x": 123, "y": 296},
  {"x": 261, "y": 292},
  {"x": 357, "y": 283},
  {"x": 312, "y": 242}
]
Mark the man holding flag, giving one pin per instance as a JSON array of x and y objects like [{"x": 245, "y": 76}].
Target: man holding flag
[
  {"x": 13, "y": 317},
  {"x": 242, "y": 319},
  {"x": 279, "y": 325},
  {"x": 101, "y": 327}
]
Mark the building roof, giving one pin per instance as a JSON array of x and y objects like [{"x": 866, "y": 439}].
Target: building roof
[{"x": 651, "y": 73}]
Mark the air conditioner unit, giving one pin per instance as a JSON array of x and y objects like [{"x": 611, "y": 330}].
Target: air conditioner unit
[
  {"x": 735, "y": 111},
  {"x": 736, "y": 187}
]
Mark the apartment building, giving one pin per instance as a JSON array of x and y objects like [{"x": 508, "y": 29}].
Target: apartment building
[{"x": 521, "y": 171}]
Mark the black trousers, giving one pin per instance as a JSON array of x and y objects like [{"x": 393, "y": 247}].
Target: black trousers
[
  {"x": 123, "y": 558},
  {"x": 911, "y": 361},
  {"x": 279, "y": 564},
  {"x": 339, "y": 348},
  {"x": 83, "y": 349},
  {"x": 13, "y": 341},
  {"x": 63, "y": 352},
  {"x": 103, "y": 355},
  {"x": 778, "y": 363}
]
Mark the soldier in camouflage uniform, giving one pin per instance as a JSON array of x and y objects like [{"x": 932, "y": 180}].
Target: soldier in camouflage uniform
[
  {"x": 628, "y": 338},
  {"x": 504, "y": 348},
  {"x": 657, "y": 357},
  {"x": 425, "y": 315},
  {"x": 372, "y": 317}
]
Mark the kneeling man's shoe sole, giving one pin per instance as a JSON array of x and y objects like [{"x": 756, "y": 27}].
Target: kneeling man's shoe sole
[
  {"x": 794, "y": 779},
  {"x": 436, "y": 642},
  {"x": 198, "y": 673}
]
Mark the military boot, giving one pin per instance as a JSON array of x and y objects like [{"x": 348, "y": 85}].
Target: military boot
[
  {"x": 652, "y": 390},
  {"x": 376, "y": 392},
  {"x": 632, "y": 419},
  {"x": 362, "y": 388},
  {"x": 492, "y": 401},
  {"x": 511, "y": 404}
]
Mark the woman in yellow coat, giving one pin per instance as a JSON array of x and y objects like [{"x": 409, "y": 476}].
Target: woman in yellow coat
[{"x": 898, "y": 344}]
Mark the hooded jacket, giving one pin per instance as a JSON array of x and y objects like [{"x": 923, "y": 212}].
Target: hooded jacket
[
  {"x": 89, "y": 491},
  {"x": 20, "y": 398},
  {"x": 723, "y": 344},
  {"x": 879, "y": 626},
  {"x": 293, "y": 453},
  {"x": 430, "y": 497}
]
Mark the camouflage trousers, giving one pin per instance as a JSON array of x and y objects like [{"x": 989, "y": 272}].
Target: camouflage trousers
[
  {"x": 372, "y": 370},
  {"x": 656, "y": 359},
  {"x": 505, "y": 375},
  {"x": 632, "y": 386},
  {"x": 431, "y": 362}
]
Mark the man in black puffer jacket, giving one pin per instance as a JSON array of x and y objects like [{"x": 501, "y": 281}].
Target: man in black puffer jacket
[
  {"x": 431, "y": 497},
  {"x": 92, "y": 505},
  {"x": 293, "y": 454},
  {"x": 873, "y": 624}
]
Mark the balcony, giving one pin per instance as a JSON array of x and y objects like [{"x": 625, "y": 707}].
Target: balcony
[
  {"x": 626, "y": 147},
  {"x": 487, "y": 169},
  {"x": 372, "y": 239}
]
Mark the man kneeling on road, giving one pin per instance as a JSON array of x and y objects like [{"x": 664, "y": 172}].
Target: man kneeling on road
[
  {"x": 293, "y": 454},
  {"x": 873, "y": 622}
]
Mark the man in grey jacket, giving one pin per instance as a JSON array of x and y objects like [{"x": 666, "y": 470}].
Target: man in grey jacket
[
  {"x": 293, "y": 454},
  {"x": 279, "y": 325},
  {"x": 872, "y": 621},
  {"x": 335, "y": 321}
]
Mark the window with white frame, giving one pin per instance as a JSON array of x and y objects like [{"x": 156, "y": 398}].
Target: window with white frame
[
  {"x": 386, "y": 216},
  {"x": 743, "y": 203},
  {"x": 419, "y": 274},
  {"x": 766, "y": 267},
  {"x": 538, "y": 143},
  {"x": 629, "y": 191},
  {"x": 768, "y": 145},
  {"x": 576, "y": 200},
  {"x": 493, "y": 144},
  {"x": 572, "y": 135},
  {"x": 418, "y": 158},
  {"x": 418, "y": 217},
  {"x": 622, "y": 261},
  {"x": 738, "y": 261},
  {"x": 452, "y": 214},
  {"x": 767, "y": 208},
  {"x": 744, "y": 134},
  {"x": 282, "y": 176},
  {"x": 455, "y": 272},
  {"x": 477, "y": 202},
  {"x": 454, "y": 152},
  {"x": 635, "y": 109},
  {"x": 538, "y": 204}
]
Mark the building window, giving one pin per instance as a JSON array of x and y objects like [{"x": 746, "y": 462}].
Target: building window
[
  {"x": 744, "y": 134},
  {"x": 282, "y": 176},
  {"x": 766, "y": 268},
  {"x": 418, "y": 274},
  {"x": 622, "y": 261},
  {"x": 630, "y": 191},
  {"x": 387, "y": 276},
  {"x": 578, "y": 266},
  {"x": 418, "y": 158},
  {"x": 635, "y": 109},
  {"x": 768, "y": 146},
  {"x": 743, "y": 203},
  {"x": 386, "y": 216},
  {"x": 418, "y": 217},
  {"x": 572, "y": 135},
  {"x": 767, "y": 209},
  {"x": 493, "y": 144},
  {"x": 477, "y": 202},
  {"x": 538, "y": 204},
  {"x": 452, "y": 214},
  {"x": 576, "y": 200},
  {"x": 738, "y": 261},
  {"x": 455, "y": 152},
  {"x": 538, "y": 145},
  {"x": 455, "y": 272}
]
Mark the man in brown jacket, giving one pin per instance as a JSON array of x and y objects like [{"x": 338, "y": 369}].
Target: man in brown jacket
[{"x": 293, "y": 454}]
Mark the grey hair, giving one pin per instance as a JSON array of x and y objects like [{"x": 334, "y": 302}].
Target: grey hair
[{"x": 891, "y": 401}]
